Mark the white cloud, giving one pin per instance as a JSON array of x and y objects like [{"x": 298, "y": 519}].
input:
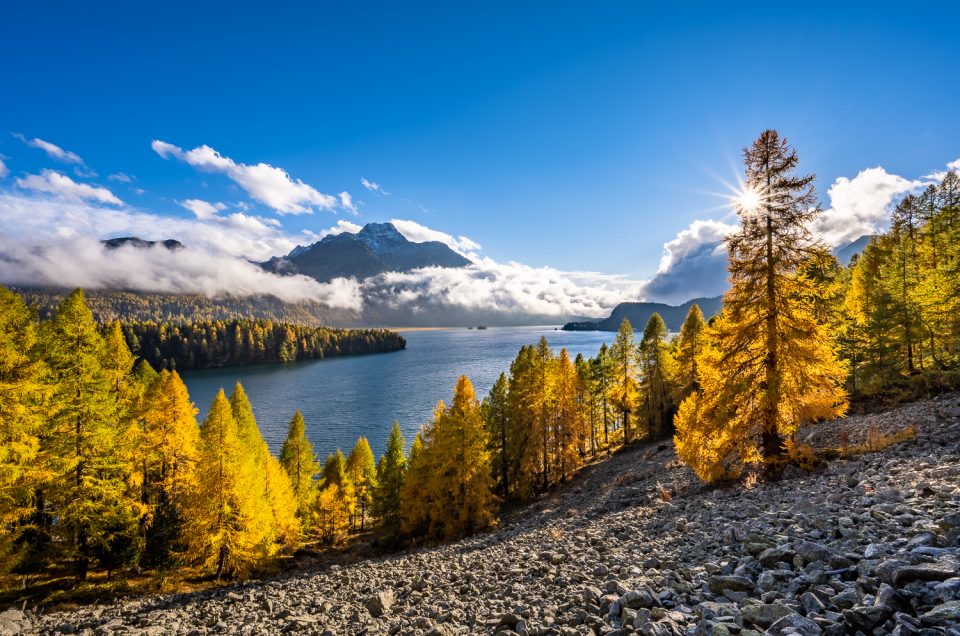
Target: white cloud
[
  {"x": 53, "y": 151},
  {"x": 693, "y": 265},
  {"x": 121, "y": 177},
  {"x": 61, "y": 185},
  {"x": 4, "y": 171},
  {"x": 346, "y": 202},
  {"x": 488, "y": 290},
  {"x": 420, "y": 233},
  {"x": 166, "y": 150},
  {"x": 372, "y": 186},
  {"x": 33, "y": 219},
  {"x": 203, "y": 210},
  {"x": 85, "y": 262},
  {"x": 862, "y": 205},
  {"x": 690, "y": 241},
  {"x": 954, "y": 165},
  {"x": 265, "y": 183}
]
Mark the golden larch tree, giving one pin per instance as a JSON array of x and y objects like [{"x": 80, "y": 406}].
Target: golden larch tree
[{"x": 777, "y": 366}]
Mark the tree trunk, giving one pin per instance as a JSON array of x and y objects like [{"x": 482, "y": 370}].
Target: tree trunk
[{"x": 771, "y": 443}]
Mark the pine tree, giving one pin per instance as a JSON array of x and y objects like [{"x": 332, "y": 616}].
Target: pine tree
[
  {"x": 168, "y": 455},
  {"x": 226, "y": 519},
  {"x": 22, "y": 391},
  {"x": 524, "y": 399},
  {"x": 543, "y": 397},
  {"x": 586, "y": 405},
  {"x": 453, "y": 470},
  {"x": 656, "y": 373},
  {"x": 331, "y": 514},
  {"x": 689, "y": 348},
  {"x": 118, "y": 364},
  {"x": 300, "y": 463},
  {"x": 249, "y": 435},
  {"x": 88, "y": 494},
  {"x": 390, "y": 476},
  {"x": 335, "y": 469},
  {"x": 362, "y": 472},
  {"x": 415, "y": 492},
  {"x": 567, "y": 430},
  {"x": 247, "y": 429},
  {"x": 870, "y": 338},
  {"x": 336, "y": 502},
  {"x": 778, "y": 367},
  {"x": 283, "y": 504},
  {"x": 496, "y": 414},
  {"x": 904, "y": 281},
  {"x": 603, "y": 372},
  {"x": 623, "y": 355}
]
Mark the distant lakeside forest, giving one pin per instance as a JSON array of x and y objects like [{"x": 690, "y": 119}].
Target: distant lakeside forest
[
  {"x": 104, "y": 465},
  {"x": 200, "y": 345}
]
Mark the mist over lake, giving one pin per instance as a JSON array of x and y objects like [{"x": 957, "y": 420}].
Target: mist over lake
[{"x": 343, "y": 398}]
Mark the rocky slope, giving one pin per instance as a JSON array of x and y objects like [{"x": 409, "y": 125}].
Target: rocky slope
[{"x": 636, "y": 545}]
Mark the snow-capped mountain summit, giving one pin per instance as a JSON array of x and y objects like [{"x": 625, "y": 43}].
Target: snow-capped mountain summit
[{"x": 376, "y": 248}]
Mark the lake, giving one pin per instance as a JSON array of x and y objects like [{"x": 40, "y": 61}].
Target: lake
[{"x": 343, "y": 398}]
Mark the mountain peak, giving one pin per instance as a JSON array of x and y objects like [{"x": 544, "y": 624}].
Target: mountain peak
[
  {"x": 376, "y": 248},
  {"x": 377, "y": 235}
]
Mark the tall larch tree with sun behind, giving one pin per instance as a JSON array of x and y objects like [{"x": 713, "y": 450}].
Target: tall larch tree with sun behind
[{"x": 777, "y": 366}]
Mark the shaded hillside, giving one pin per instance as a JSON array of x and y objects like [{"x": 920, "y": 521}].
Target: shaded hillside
[
  {"x": 639, "y": 313},
  {"x": 110, "y": 305}
]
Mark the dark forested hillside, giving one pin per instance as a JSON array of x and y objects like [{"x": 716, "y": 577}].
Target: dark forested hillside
[
  {"x": 640, "y": 313},
  {"x": 203, "y": 344},
  {"x": 109, "y": 305}
]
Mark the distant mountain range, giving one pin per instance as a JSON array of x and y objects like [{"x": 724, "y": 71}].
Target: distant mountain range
[
  {"x": 375, "y": 249},
  {"x": 639, "y": 313}
]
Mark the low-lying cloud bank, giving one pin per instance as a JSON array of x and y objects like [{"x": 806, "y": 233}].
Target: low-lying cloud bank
[
  {"x": 496, "y": 292},
  {"x": 85, "y": 262},
  {"x": 54, "y": 241}
]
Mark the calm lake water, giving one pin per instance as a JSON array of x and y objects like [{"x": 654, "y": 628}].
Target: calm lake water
[{"x": 343, "y": 398}]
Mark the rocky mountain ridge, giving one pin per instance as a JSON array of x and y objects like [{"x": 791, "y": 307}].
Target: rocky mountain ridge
[
  {"x": 375, "y": 249},
  {"x": 636, "y": 545}
]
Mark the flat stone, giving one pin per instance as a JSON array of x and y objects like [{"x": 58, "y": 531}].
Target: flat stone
[
  {"x": 905, "y": 575},
  {"x": 794, "y": 624},
  {"x": 718, "y": 583},
  {"x": 866, "y": 618},
  {"x": 771, "y": 556},
  {"x": 765, "y": 615},
  {"x": 810, "y": 551},
  {"x": 944, "y": 615}
]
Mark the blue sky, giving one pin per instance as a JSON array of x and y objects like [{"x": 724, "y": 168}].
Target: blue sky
[{"x": 570, "y": 135}]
